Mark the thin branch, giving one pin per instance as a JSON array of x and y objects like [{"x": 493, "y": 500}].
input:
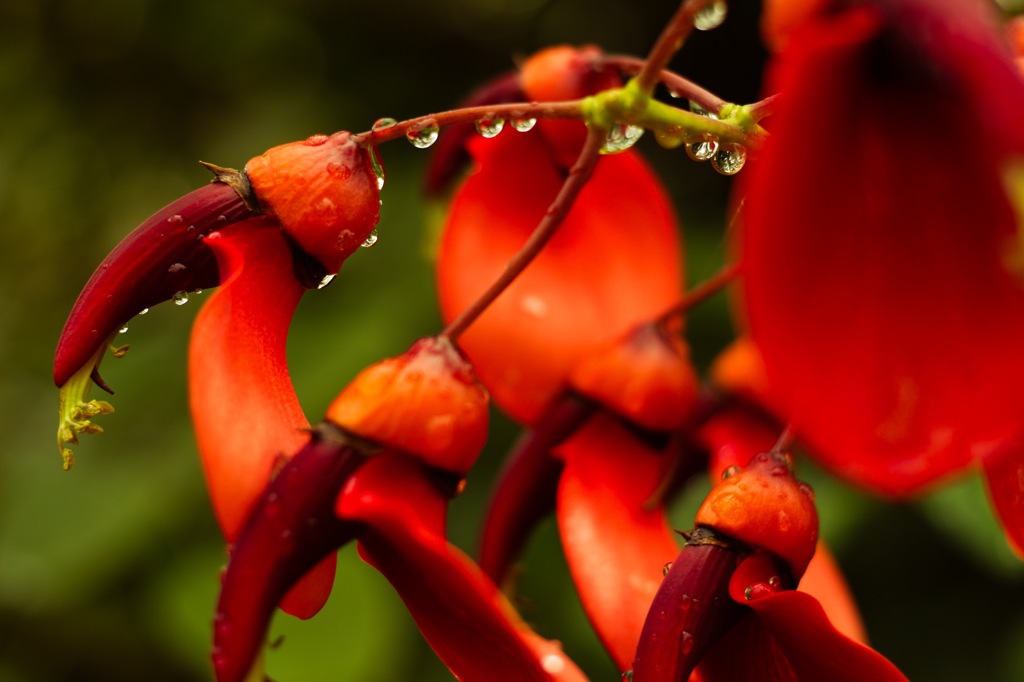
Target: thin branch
[
  {"x": 703, "y": 291},
  {"x": 668, "y": 43},
  {"x": 518, "y": 110},
  {"x": 579, "y": 174}
]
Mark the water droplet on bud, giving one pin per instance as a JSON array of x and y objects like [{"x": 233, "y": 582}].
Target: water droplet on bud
[
  {"x": 666, "y": 568},
  {"x": 730, "y": 471},
  {"x": 704, "y": 149},
  {"x": 383, "y": 124},
  {"x": 371, "y": 239},
  {"x": 685, "y": 642},
  {"x": 711, "y": 16},
  {"x": 524, "y": 125},
  {"x": 317, "y": 140},
  {"x": 143, "y": 311},
  {"x": 176, "y": 267},
  {"x": 180, "y": 298},
  {"x": 730, "y": 159},
  {"x": 621, "y": 137},
  {"x": 490, "y": 126},
  {"x": 123, "y": 329},
  {"x": 325, "y": 281},
  {"x": 627, "y": 676},
  {"x": 423, "y": 137},
  {"x": 806, "y": 490},
  {"x": 378, "y": 168}
]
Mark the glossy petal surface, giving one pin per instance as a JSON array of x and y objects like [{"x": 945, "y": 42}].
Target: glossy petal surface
[
  {"x": 880, "y": 287},
  {"x": 615, "y": 540},
  {"x": 614, "y": 263}
]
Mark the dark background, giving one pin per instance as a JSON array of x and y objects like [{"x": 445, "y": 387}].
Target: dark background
[{"x": 109, "y": 572}]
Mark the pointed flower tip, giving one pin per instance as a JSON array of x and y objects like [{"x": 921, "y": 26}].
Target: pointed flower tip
[
  {"x": 764, "y": 506},
  {"x": 325, "y": 192},
  {"x": 76, "y": 411},
  {"x": 426, "y": 402}
]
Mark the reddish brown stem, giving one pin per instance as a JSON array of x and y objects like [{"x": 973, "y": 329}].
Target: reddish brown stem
[
  {"x": 668, "y": 43},
  {"x": 677, "y": 85},
  {"x": 522, "y": 110},
  {"x": 579, "y": 174},
  {"x": 703, "y": 291}
]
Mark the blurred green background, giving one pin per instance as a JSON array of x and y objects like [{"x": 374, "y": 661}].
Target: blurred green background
[{"x": 109, "y": 572}]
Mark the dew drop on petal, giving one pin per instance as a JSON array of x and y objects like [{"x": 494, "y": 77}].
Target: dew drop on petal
[
  {"x": 384, "y": 123},
  {"x": 123, "y": 329},
  {"x": 523, "y": 125},
  {"x": 730, "y": 159},
  {"x": 685, "y": 642},
  {"x": 180, "y": 298},
  {"x": 621, "y": 137},
  {"x": 371, "y": 239},
  {"x": 711, "y": 16},
  {"x": 317, "y": 140},
  {"x": 666, "y": 568},
  {"x": 176, "y": 267},
  {"x": 730, "y": 471},
  {"x": 703, "y": 149},
  {"x": 423, "y": 137},
  {"x": 143, "y": 311},
  {"x": 327, "y": 279},
  {"x": 553, "y": 663},
  {"x": 627, "y": 676},
  {"x": 490, "y": 126}
]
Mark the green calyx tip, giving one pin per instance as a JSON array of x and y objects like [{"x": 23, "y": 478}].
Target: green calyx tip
[{"x": 76, "y": 412}]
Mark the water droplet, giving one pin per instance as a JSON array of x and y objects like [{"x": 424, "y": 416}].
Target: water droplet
[
  {"x": 221, "y": 626},
  {"x": 806, "y": 490},
  {"x": 666, "y": 568},
  {"x": 176, "y": 267},
  {"x": 627, "y": 676},
  {"x": 621, "y": 137},
  {"x": 670, "y": 137},
  {"x": 143, "y": 311},
  {"x": 325, "y": 281},
  {"x": 774, "y": 581},
  {"x": 730, "y": 159},
  {"x": 123, "y": 329},
  {"x": 424, "y": 137},
  {"x": 371, "y": 239},
  {"x": 461, "y": 487},
  {"x": 703, "y": 149},
  {"x": 711, "y": 16},
  {"x": 174, "y": 219},
  {"x": 317, "y": 140},
  {"x": 490, "y": 126},
  {"x": 524, "y": 125},
  {"x": 730, "y": 471},
  {"x": 180, "y": 298},
  {"x": 685, "y": 642},
  {"x": 757, "y": 591},
  {"x": 197, "y": 291},
  {"x": 384, "y": 123},
  {"x": 686, "y": 602},
  {"x": 378, "y": 169}
]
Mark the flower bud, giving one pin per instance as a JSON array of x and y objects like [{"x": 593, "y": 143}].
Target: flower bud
[
  {"x": 425, "y": 402},
  {"x": 323, "y": 191}
]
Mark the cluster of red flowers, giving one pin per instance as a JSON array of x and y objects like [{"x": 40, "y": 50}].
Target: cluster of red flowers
[{"x": 881, "y": 304}]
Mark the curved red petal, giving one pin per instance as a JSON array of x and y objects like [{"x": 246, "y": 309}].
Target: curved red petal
[
  {"x": 813, "y": 648},
  {"x": 244, "y": 408},
  {"x": 461, "y": 613},
  {"x": 877, "y": 286},
  {"x": 614, "y": 263},
  {"x": 615, "y": 540},
  {"x": 162, "y": 256},
  {"x": 292, "y": 528}
]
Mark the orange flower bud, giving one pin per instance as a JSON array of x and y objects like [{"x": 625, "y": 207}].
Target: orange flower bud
[
  {"x": 765, "y": 506},
  {"x": 425, "y": 402},
  {"x": 645, "y": 376},
  {"x": 323, "y": 191}
]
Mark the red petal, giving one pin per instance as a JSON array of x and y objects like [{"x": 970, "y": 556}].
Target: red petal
[
  {"x": 244, "y": 407},
  {"x": 291, "y": 529},
  {"x": 462, "y": 615},
  {"x": 877, "y": 285},
  {"x": 812, "y": 646},
  {"x": 616, "y": 540},
  {"x": 162, "y": 256},
  {"x": 1004, "y": 472},
  {"x": 614, "y": 262}
]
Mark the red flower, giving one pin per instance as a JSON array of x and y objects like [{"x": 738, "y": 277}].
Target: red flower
[{"x": 882, "y": 285}]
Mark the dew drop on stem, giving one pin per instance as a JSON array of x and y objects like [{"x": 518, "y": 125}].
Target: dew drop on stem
[
  {"x": 730, "y": 159},
  {"x": 711, "y": 16},
  {"x": 490, "y": 126},
  {"x": 383, "y": 123},
  {"x": 703, "y": 149},
  {"x": 180, "y": 298},
  {"x": 621, "y": 137},
  {"x": 422, "y": 138},
  {"x": 523, "y": 125}
]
